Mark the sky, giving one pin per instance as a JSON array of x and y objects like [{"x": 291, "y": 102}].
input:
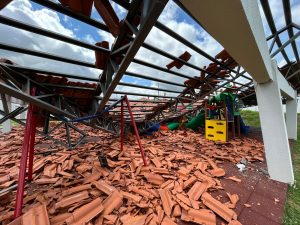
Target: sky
[{"x": 172, "y": 17}]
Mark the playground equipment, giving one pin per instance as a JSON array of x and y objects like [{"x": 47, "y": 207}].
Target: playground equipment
[{"x": 221, "y": 113}]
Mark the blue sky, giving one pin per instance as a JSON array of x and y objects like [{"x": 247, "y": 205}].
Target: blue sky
[{"x": 172, "y": 16}]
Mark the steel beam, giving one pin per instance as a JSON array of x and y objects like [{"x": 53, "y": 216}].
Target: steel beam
[
  {"x": 64, "y": 10},
  {"x": 147, "y": 87},
  {"x": 45, "y": 55},
  {"x": 68, "y": 87},
  {"x": 281, "y": 49},
  {"x": 266, "y": 8},
  {"x": 144, "y": 63},
  {"x": 132, "y": 74},
  {"x": 146, "y": 25},
  {"x": 36, "y": 70},
  {"x": 181, "y": 39},
  {"x": 27, "y": 98},
  {"x": 279, "y": 32},
  {"x": 140, "y": 94},
  {"x": 134, "y": 100},
  {"x": 24, "y": 26},
  {"x": 12, "y": 114},
  {"x": 297, "y": 72},
  {"x": 288, "y": 19}
]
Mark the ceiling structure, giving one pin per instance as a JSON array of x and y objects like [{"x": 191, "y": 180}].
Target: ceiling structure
[{"x": 88, "y": 98}]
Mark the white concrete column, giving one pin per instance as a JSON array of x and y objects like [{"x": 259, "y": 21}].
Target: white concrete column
[
  {"x": 291, "y": 117},
  {"x": 23, "y": 114},
  {"x": 7, "y": 125},
  {"x": 25, "y": 89},
  {"x": 277, "y": 149}
]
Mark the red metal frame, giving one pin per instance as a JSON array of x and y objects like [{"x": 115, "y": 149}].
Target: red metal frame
[
  {"x": 31, "y": 143},
  {"x": 134, "y": 127},
  {"x": 27, "y": 150}
]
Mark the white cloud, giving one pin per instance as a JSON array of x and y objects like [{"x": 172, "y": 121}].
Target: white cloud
[
  {"x": 22, "y": 10},
  {"x": 89, "y": 38}
]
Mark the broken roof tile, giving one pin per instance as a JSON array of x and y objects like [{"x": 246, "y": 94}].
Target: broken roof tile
[
  {"x": 233, "y": 199},
  {"x": 184, "y": 199},
  {"x": 154, "y": 178},
  {"x": 189, "y": 181},
  {"x": 129, "y": 196},
  {"x": 133, "y": 220},
  {"x": 156, "y": 162},
  {"x": 217, "y": 172},
  {"x": 174, "y": 168},
  {"x": 75, "y": 189},
  {"x": 167, "y": 221},
  {"x": 233, "y": 178},
  {"x": 201, "y": 216},
  {"x": 197, "y": 190},
  {"x": 142, "y": 192},
  {"x": 71, "y": 199},
  {"x": 85, "y": 213},
  {"x": 104, "y": 187},
  {"x": 234, "y": 222},
  {"x": 37, "y": 215},
  {"x": 46, "y": 180},
  {"x": 218, "y": 207},
  {"x": 112, "y": 202},
  {"x": 60, "y": 219},
  {"x": 167, "y": 201}
]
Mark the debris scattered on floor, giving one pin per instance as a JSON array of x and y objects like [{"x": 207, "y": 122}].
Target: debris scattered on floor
[
  {"x": 241, "y": 167},
  {"x": 71, "y": 186}
]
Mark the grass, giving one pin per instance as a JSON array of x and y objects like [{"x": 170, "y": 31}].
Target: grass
[
  {"x": 292, "y": 206},
  {"x": 251, "y": 118}
]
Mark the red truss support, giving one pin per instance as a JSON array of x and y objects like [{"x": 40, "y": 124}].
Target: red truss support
[
  {"x": 27, "y": 153},
  {"x": 134, "y": 127}
]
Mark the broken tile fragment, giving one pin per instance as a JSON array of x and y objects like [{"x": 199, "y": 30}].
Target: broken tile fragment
[
  {"x": 85, "y": 213},
  {"x": 233, "y": 178},
  {"x": 71, "y": 199},
  {"x": 167, "y": 201},
  {"x": 234, "y": 222},
  {"x": 36, "y": 215},
  {"x": 154, "y": 178},
  {"x": 129, "y": 196},
  {"x": 104, "y": 187},
  {"x": 167, "y": 221},
  {"x": 201, "y": 216},
  {"x": 197, "y": 190},
  {"x": 218, "y": 207},
  {"x": 112, "y": 202}
]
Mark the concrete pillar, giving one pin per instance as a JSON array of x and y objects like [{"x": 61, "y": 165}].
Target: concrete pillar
[
  {"x": 23, "y": 114},
  {"x": 291, "y": 117},
  {"x": 25, "y": 89},
  {"x": 277, "y": 149},
  {"x": 7, "y": 125}
]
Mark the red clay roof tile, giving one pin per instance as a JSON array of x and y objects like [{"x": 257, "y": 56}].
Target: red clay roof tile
[
  {"x": 218, "y": 207},
  {"x": 167, "y": 201},
  {"x": 201, "y": 216}
]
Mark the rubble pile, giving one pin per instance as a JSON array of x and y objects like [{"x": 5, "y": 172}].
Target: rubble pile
[{"x": 71, "y": 186}]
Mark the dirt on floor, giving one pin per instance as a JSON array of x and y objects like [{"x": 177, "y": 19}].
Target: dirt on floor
[{"x": 187, "y": 180}]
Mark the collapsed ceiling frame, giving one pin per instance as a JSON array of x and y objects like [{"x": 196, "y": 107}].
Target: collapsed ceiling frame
[{"x": 166, "y": 106}]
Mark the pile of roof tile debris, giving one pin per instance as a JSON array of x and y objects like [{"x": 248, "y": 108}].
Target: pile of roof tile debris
[{"x": 71, "y": 186}]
